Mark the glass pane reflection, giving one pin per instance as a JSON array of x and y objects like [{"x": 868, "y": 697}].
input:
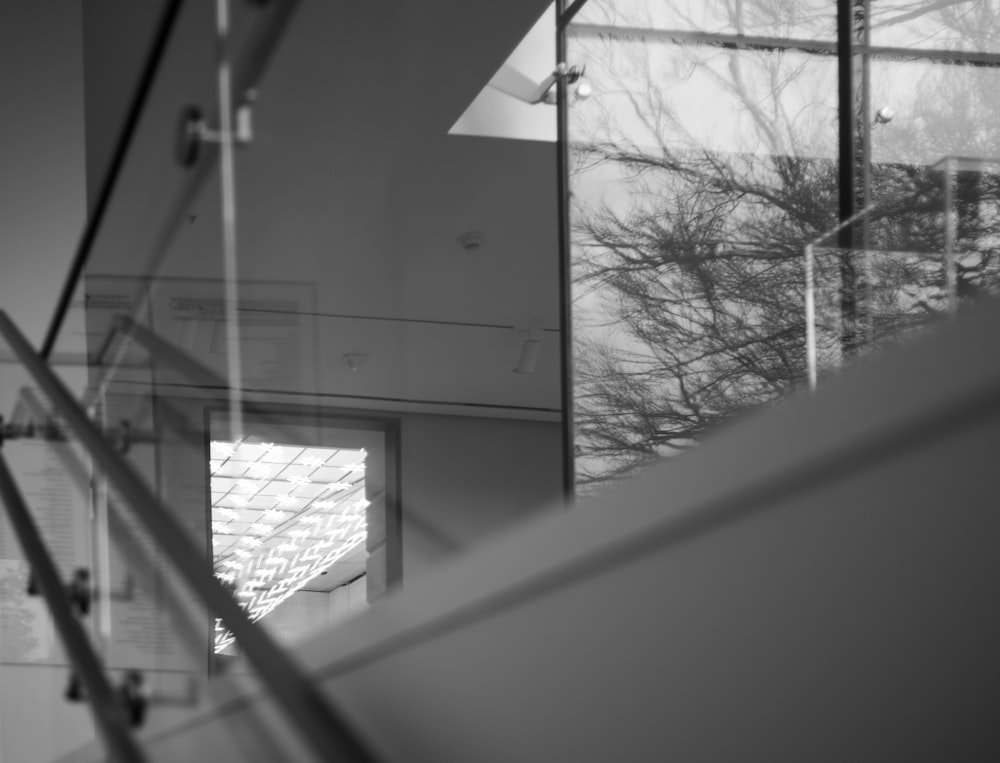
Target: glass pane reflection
[
  {"x": 706, "y": 170},
  {"x": 965, "y": 25},
  {"x": 697, "y": 173},
  {"x": 800, "y": 19}
]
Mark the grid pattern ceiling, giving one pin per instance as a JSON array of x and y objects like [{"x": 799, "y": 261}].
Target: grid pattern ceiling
[{"x": 282, "y": 514}]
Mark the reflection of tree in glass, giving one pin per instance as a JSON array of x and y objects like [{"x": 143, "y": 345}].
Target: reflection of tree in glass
[
  {"x": 689, "y": 233},
  {"x": 17, "y": 634},
  {"x": 941, "y": 24}
]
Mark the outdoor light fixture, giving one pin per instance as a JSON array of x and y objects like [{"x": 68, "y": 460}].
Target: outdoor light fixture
[{"x": 884, "y": 115}]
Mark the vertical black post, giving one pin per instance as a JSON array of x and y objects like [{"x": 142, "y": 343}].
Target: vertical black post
[
  {"x": 565, "y": 264},
  {"x": 847, "y": 154}
]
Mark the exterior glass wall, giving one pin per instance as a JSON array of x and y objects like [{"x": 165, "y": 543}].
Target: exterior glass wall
[{"x": 710, "y": 170}]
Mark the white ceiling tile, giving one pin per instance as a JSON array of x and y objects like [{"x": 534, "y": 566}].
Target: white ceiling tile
[
  {"x": 327, "y": 474},
  {"x": 231, "y": 469}
]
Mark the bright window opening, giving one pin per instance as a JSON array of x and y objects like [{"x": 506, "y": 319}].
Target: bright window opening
[{"x": 281, "y": 516}]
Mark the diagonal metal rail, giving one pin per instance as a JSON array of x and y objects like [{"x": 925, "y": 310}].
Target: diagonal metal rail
[
  {"x": 307, "y": 710},
  {"x": 108, "y": 712}
]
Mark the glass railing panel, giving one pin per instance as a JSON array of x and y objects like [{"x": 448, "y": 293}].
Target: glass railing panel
[
  {"x": 37, "y": 721},
  {"x": 910, "y": 269},
  {"x": 396, "y": 274},
  {"x": 156, "y": 268},
  {"x": 141, "y": 618},
  {"x": 304, "y": 318},
  {"x": 938, "y": 137}
]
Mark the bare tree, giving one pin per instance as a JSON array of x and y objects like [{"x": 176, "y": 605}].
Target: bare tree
[{"x": 689, "y": 233}]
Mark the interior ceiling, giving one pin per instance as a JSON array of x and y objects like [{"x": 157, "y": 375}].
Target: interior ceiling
[{"x": 283, "y": 515}]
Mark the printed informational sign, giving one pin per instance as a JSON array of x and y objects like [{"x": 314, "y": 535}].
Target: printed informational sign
[{"x": 59, "y": 504}]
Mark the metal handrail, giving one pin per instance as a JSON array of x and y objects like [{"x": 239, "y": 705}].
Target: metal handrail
[
  {"x": 108, "y": 712},
  {"x": 306, "y": 708}
]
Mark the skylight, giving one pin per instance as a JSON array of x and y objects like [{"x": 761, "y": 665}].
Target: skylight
[{"x": 495, "y": 112}]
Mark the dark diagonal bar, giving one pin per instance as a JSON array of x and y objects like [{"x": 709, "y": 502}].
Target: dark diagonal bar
[
  {"x": 108, "y": 713},
  {"x": 305, "y": 707},
  {"x": 129, "y": 129}
]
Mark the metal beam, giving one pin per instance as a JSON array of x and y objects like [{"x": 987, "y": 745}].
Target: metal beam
[
  {"x": 820, "y": 47},
  {"x": 566, "y": 15}
]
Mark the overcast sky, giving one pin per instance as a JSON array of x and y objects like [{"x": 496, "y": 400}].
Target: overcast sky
[{"x": 42, "y": 199}]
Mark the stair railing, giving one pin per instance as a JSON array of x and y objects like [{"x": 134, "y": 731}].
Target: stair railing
[
  {"x": 107, "y": 709},
  {"x": 321, "y": 725}
]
